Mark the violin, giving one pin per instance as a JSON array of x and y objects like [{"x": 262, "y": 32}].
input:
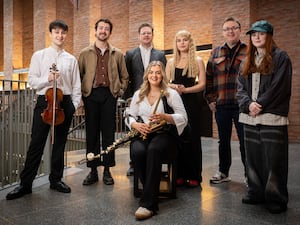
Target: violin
[{"x": 53, "y": 114}]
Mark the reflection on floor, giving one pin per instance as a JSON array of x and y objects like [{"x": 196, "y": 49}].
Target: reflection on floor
[{"x": 100, "y": 204}]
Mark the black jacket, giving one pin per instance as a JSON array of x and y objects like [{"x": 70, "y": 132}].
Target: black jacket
[
  {"x": 135, "y": 68},
  {"x": 274, "y": 89}
]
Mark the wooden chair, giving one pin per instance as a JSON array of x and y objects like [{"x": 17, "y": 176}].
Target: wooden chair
[{"x": 167, "y": 182}]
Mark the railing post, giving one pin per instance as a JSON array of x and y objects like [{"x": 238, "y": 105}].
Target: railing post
[{"x": 47, "y": 156}]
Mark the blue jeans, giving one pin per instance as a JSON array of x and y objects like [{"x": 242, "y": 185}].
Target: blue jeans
[{"x": 225, "y": 115}]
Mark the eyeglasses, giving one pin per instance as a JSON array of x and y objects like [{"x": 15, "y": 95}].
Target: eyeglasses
[
  {"x": 227, "y": 29},
  {"x": 146, "y": 33}
]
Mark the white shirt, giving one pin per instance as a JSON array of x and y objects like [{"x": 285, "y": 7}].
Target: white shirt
[
  {"x": 145, "y": 54},
  {"x": 144, "y": 110},
  {"x": 67, "y": 65}
]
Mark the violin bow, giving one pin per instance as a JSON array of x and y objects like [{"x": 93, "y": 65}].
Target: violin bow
[{"x": 53, "y": 69}]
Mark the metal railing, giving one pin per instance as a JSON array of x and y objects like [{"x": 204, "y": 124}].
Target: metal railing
[
  {"x": 17, "y": 102},
  {"x": 16, "y": 107}
]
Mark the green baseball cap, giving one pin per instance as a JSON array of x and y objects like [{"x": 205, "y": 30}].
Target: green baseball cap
[{"x": 261, "y": 26}]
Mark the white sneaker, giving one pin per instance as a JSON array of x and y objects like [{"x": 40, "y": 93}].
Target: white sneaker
[
  {"x": 143, "y": 213},
  {"x": 219, "y": 178}
]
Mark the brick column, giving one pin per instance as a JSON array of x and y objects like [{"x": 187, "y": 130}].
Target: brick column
[
  {"x": 7, "y": 43},
  {"x": 43, "y": 15},
  {"x": 1, "y": 36},
  {"x": 84, "y": 21},
  {"x": 17, "y": 28},
  {"x": 137, "y": 10},
  {"x": 158, "y": 23}
]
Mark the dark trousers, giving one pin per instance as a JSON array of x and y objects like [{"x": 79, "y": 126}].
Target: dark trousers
[
  {"x": 267, "y": 162},
  {"x": 100, "y": 118},
  {"x": 225, "y": 115},
  {"x": 39, "y": 134},
  {"x": 190, "y": 159},
  {"x": 147, "y": 155},
  {"x": 190, "y": 153}
]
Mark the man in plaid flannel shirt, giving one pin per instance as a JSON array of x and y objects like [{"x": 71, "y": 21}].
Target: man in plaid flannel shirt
[{"x": 221, "y": 87}]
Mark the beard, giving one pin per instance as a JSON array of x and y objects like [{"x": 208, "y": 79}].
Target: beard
[{"x": 102, "y": 37}]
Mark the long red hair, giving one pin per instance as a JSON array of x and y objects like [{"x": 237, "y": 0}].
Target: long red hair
[{"x": 266, "y": 66}]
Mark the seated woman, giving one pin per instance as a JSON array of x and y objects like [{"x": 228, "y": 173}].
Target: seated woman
[{"x": 151, "y": 148}]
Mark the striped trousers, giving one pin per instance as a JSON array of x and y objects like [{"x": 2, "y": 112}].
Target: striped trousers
[{"x": 267, "y": 162}]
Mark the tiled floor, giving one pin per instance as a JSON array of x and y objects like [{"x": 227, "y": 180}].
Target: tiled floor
[{"x": 110, "y": 205}]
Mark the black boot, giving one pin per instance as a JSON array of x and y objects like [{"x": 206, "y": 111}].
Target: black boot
[
  {"x": 91, "y": 178},
  {"x": 107, "y": 178}
]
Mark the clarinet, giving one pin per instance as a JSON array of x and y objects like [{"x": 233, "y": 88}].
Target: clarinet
[{"x": 131, "y": 135}]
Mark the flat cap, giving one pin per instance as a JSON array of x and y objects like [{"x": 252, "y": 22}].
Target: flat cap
[{"x": 261, "y": 26}]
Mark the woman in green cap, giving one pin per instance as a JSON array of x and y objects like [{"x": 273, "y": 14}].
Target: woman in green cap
[{"x": 264, "y": 91}]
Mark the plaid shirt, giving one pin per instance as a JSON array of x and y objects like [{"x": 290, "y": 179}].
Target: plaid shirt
[{"x": 222, "y": 72}]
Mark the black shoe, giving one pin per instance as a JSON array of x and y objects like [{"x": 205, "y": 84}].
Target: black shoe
[
  {"x": 130, "y": 171},
  {"x": 276, "y": 208},
  {"x": 60, "y": 187},
  {"x": 107, "y": 178},
  {"x": 18, "y": 192},
  {"x": 250, "y": 200},
  {"x": 91, "y": 178}
]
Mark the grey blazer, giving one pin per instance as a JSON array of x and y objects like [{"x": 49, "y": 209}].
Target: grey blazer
[{"x": 135, "y": 68}]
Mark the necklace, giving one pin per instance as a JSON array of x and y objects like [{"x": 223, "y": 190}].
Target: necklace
[{"x": 152, "y": 96}]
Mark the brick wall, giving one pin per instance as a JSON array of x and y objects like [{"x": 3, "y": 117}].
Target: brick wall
[
  {"x": 40, "y": 25},
  {"x": 285, "y": 17},
  {"x": 82, "y": 27},
  {"x": 17, "y": 44},
  {"x": 1, "y": 36},
  {"x": 117, "y": 12},
  {"x": 28, "y": 34},
  {"x": 140, "y": 12},
  {"x": 203, "y": 18},
  {"x": 7, "y": 38},
  {"x": 194, "y": 16},
  {"x": 64, "y": 11}
]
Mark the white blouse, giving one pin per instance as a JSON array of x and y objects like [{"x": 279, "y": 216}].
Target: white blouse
[{"x": 144, "y": 110}]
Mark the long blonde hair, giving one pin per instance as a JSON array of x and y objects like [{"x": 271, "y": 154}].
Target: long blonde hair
[
  {"x": 145, "y": 87},
  {"x": 191, "y": 68}
]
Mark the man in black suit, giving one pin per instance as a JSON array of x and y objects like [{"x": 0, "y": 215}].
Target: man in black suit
[{"x": 137, "y": 60}]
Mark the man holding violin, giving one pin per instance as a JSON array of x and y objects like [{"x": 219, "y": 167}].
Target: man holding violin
[{"x": 53, "y": 72}]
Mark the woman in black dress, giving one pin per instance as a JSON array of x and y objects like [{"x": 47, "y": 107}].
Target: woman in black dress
[{"x": 186, "y": 74}]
